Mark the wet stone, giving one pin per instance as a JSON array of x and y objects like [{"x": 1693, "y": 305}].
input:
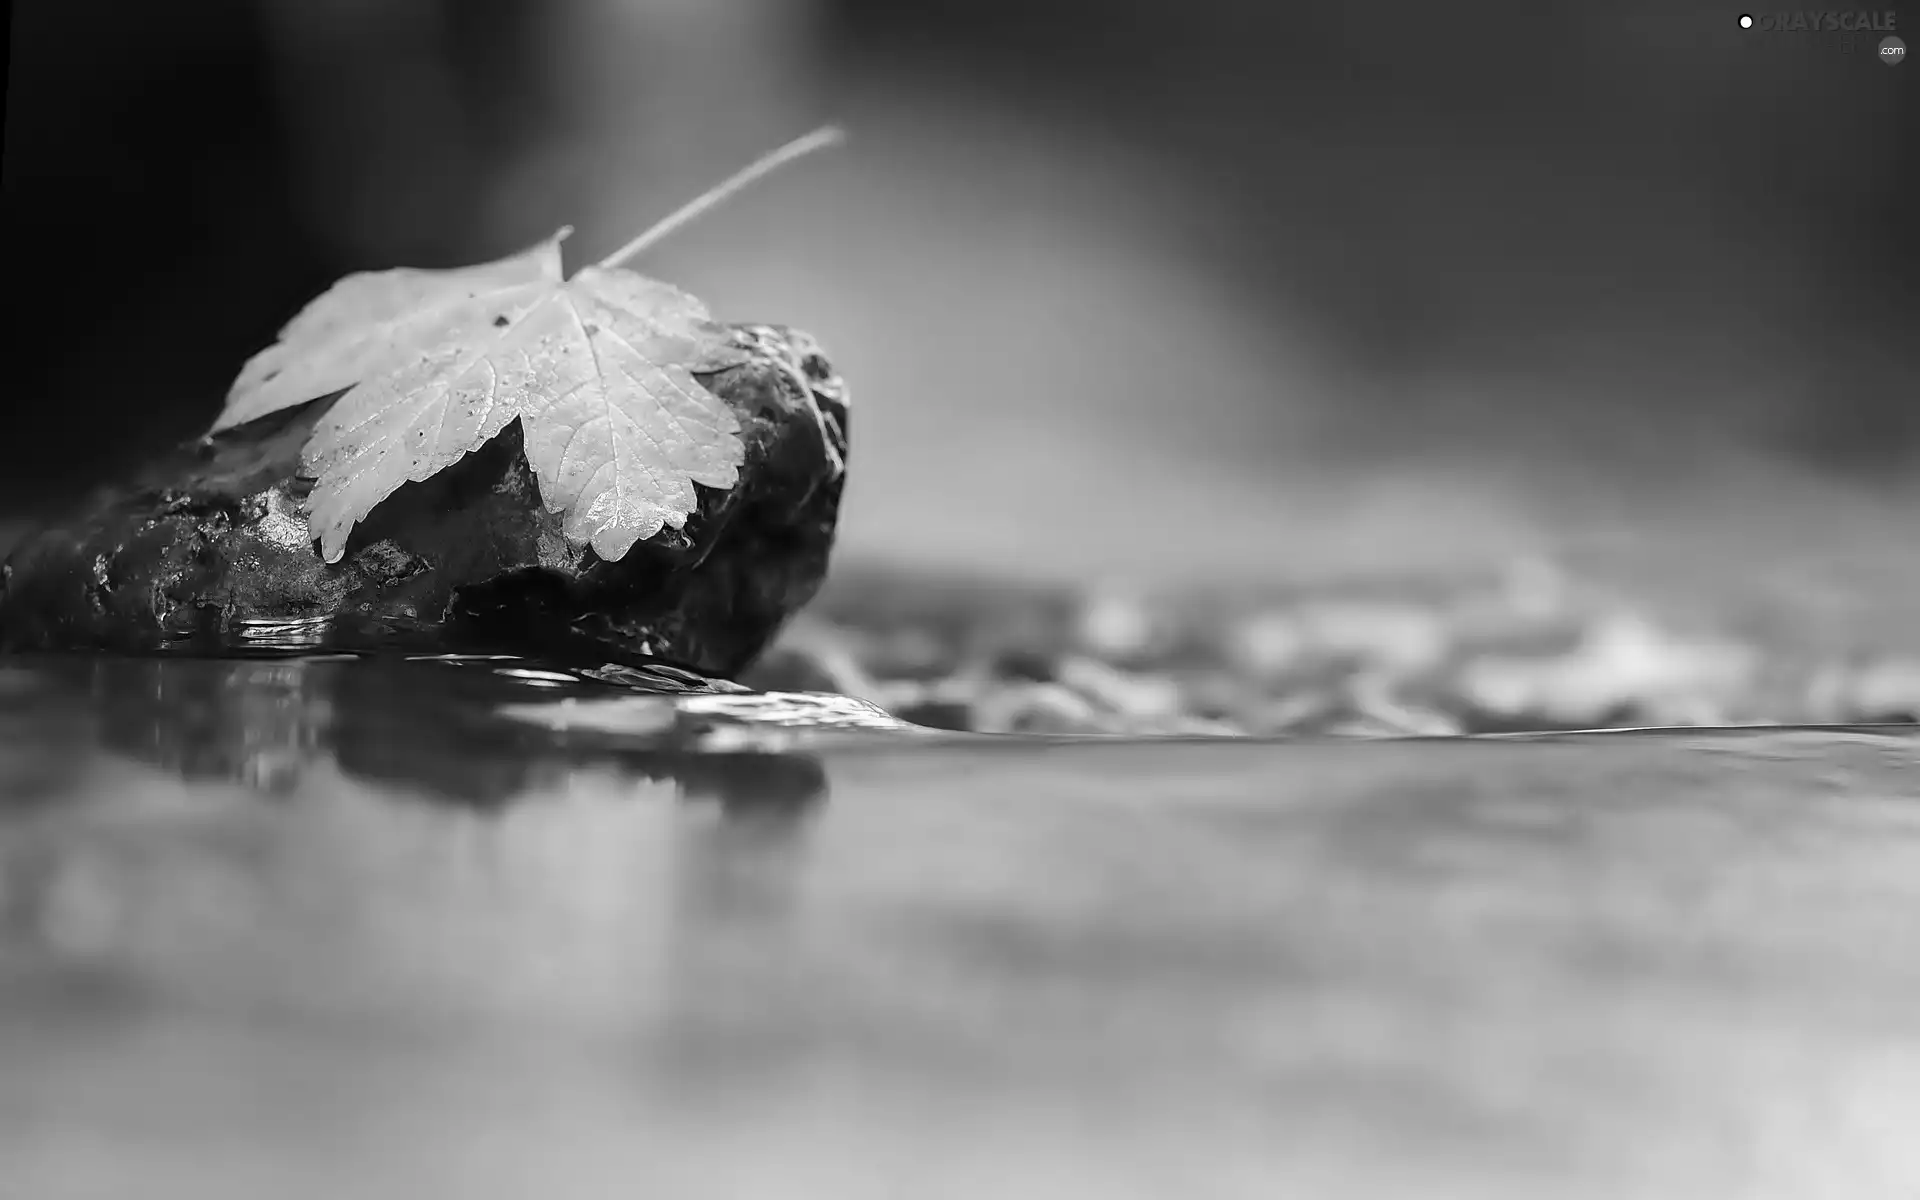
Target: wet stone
[{"x": 208, "y": 550}]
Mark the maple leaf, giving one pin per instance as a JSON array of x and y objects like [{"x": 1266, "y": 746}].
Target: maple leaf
[{"x": 600, "y": 370}]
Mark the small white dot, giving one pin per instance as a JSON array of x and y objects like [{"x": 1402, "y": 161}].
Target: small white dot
[{"x": 1746, "y": 22}]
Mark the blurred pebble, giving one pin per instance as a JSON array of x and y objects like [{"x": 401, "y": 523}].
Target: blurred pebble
[
  {"x": 1025, "y": 664},
  {"x": 1139, "y": 697},
  {"x": 1267, "y": 643},
  {"x": 956, "y": 716},
  {"x": 937, "y": 704},
  {"x": 1624, "y": 663},
  {"x": 1189, "y": 727},
  {"x": 1530, "y": 652},
  {"x": 1374, "y": 699},
  {"x": 1118, "y": 628},
  {"x": 1292, "y": 715},
  {"x": 811, "y": 659},
  {"x": 1039, "y": 708}
]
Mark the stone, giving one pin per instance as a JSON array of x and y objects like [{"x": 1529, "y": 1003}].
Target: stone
[
  {"x": 1042, "y": 708},
  {"x": 207, "y": 549}
]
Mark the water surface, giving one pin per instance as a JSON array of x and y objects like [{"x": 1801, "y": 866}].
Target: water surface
[{"x": 340, "y": 928}]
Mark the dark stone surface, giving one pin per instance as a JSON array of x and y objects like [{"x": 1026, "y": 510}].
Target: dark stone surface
[{"x": 207, "y": 550}]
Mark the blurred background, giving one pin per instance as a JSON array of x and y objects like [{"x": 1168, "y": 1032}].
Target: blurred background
[
  {"x": 1158, "y": 291},
  {"x": 1151, "y": 289}
]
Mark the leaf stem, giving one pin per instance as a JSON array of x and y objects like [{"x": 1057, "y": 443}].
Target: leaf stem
[{"x": 819, "y": 139}]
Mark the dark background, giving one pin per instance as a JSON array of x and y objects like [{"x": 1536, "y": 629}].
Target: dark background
[{"x": 1386, "y": 233}]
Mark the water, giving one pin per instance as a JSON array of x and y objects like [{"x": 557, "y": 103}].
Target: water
[{"x": 335, "y": 927}]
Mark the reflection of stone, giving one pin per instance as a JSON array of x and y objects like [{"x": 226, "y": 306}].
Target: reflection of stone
[
  {"x": 437, "y": 728},
  {"x": 259, "y": 722},
  {"x": 208, "y": 548}
]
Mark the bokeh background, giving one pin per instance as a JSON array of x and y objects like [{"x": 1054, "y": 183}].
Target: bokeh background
[
  {"x": 1170, "y": 290},
  {"x": 1152, "y": 289}
]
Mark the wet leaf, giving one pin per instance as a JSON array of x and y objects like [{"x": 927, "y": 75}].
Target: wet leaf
[{"x": 600, "y": 370}]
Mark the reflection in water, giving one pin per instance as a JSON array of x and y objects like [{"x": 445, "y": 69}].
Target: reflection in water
[
  {"x": 255, "y": 722},
  {"x": 434, "y": 727},
  {"x": 537, "y": 879}
]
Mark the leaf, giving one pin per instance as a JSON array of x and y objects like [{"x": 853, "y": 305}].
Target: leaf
[
  {"x": 336, "y": 340},
  {"x": 599, "y": 369}
]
